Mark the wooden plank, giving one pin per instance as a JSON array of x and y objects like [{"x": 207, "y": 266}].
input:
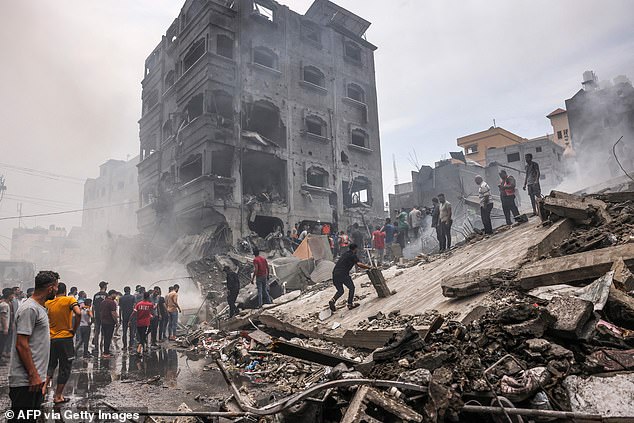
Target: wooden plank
[
  {"x": 310, "y": 354},
  {"x": 392, "y": 406},
  {"x": 378, "y": 281},
  {"x": 574, "y": 267},
  {"x": 356, "y": 409}
]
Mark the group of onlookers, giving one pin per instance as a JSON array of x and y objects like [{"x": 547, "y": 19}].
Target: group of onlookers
[{"x": 43, "y": 329}]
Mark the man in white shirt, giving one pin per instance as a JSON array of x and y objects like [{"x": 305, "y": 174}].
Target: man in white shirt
[
  {"x": 486, "y": 205},
  {"x": 415, "y": 221}
]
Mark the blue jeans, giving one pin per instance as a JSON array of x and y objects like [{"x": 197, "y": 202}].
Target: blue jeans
[
  {"x": 173, "y": 323},
  {"x": 263, "y": 290}
]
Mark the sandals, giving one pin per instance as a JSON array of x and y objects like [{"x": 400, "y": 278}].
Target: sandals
[{"x": 354, "y": 305}]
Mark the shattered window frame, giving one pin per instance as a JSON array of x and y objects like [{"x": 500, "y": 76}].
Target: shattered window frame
[
  {"x": 313, "y": 75},
  {"x": 353, "y": 52},
  {"x": 317, "y": 177},
  {"x": 265, "y": 53},
  {"x": 358, "y": 89},
  {"x": 358, "y": 133},
  {"x": 311, "y": 122},
  {"x": 263, "y": 10},
  {"x": 513, "y": 157},
  {"x": 225, "y": 44},
  {"x": 194, "y": 53}
]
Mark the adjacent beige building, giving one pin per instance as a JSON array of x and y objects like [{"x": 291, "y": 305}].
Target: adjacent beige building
[
  {"x": 476, "y": 145},
  {"x": 561, "y": 128}
]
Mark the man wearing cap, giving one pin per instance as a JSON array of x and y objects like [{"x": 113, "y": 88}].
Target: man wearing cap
[
  {"x": 61, "y": 310},
  {"x": 30, "y": 356},
  {"x": 109, "y": 319},
  {"x": 97, "y": 299}
]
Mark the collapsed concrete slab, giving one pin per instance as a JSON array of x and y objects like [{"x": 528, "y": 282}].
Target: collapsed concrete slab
[
  {"x": 580, "y": 209},
  {"x": 575, "y": 267},
  {"x": 609, "y": 396},
  {"x": 418, "y": 289},
  {"x": 571, "y": 314},
  {"x": 472, "y": 283},
  {"x": 623, "y": 277},
  {"x": 620, "y": 308}
]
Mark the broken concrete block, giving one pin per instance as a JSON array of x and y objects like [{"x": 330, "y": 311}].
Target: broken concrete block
[
  {"x": 623, "y": 277},
  {"x": 611, "y": 396},
  {"x": 571, "y": 315},
  {"x": 472, "y": 283},
  {"x": 534, "y": 327},
  {"x": 431, "y": 360},
  {"x": 537, "y": 344},
  {"x": 620, "y": 308},
  {"x": 574, "y": 267}
]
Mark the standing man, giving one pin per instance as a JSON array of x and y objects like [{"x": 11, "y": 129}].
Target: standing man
[
  {"x": 445, "y": 221},
  {"x": 261, "y": 277},
  {"x": 5, "y": 318},
  {"x": 233, "y": 287},
  {"x": 154, "y": 320},
  {"x": 389, "y": 231},
  {"x": 378, "y": 242},
  {"x": 344, "y": 241},
  {"x": 486, "y": 205},
  {"x": 341, "y": 277},
  {"x": 126, "y": 307},
  {"x": 84, "y": 325},
  {"x": 171, "y": 302},
  {"x": 164, "y": 316},
  {"x": 97, "y": 299},
  {"x": 403, "y": 228},
  {"x": 435, "y": 217},
  {"x": 143, "y": 311},
  {"x": 109, "y": 319},
  {"x": 29, "y": 358},
  {"x": 415, "y": 219},
  {"x": 61, "y": 311},
  {"x": 507, "y": 195},
  {"x": 532, "y": 181}
]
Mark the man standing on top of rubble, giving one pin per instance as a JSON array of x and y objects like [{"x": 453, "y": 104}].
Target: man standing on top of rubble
[
  {"x": 532, "y": 181},
  {"x": 415, "y": 220},
  {"x": 486, "y": 205},
  {"x": 445, "y": 221},
  {"x": 233, "y": 287},
  {"x": 507, "y": 195},
  {"x": 261, "y": 277},
  {"x": 341, "y": 277}
]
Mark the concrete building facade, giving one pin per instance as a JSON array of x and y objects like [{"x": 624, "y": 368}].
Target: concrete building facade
[
  {"x": 111, "y": 199},
  {"x": 599, "y": 114},
  {"x": 42, "y": 246},
  {"x": 476, "y": 145},
  {"x": 256, "y": 117},
  {"x": 561, "y": 128},
  {"x": 547, "y": 153}
]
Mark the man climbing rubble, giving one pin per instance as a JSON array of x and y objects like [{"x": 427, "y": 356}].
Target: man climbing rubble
[
  {"x": 233, "y": 287},
  {"x": 532, "y": 181},
  {"x": 341, "y": 276},
  {"x": 261, "y": 277}
]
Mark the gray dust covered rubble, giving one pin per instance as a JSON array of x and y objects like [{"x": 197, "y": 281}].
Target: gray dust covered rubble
[{"x": 545, "y": 339}]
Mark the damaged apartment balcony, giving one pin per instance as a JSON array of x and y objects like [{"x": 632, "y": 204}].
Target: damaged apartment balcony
[
  {"x": 204, "y": 191},
  {"x": 206, "y": 127}
]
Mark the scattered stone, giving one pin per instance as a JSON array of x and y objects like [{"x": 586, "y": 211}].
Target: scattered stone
[
  {"x": 623, "y": 277},
  {"x": 571, "y": 315},
  {"x": 620, "y": 308},
  {"x": 418, "y": 377},
  {"x": 537, "y": 344}
]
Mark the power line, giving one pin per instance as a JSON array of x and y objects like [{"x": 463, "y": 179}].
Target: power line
[
  {"x": 66, "y": 211},
  {"x": 24, "y": 197},
  {"x": 41, "y": 173}
]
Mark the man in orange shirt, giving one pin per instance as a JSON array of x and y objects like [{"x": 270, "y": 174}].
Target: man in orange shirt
[{"x": 62, "y": 330}]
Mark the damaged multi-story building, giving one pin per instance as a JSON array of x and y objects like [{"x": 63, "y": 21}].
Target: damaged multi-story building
[{"x": 256, "y": 117}]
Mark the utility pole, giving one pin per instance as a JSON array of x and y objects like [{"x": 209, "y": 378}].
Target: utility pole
[
  {"x": 3, "y": 187},
  {"x": 19, "y": 215},
  {"x": 395, "y": 172}
]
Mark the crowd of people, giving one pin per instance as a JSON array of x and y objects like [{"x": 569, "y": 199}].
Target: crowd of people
[{"x": 43, "y": 330}]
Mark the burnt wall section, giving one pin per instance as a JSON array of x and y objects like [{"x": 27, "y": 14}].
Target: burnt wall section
[{"x": 257, "y": 115}]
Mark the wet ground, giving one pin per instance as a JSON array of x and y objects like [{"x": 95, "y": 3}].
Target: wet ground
[{"x": 160, "y": 380}]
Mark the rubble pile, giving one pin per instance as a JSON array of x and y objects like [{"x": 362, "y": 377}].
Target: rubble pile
[
  {"x": 394, "y": 320},
  {"x": 610, "y": 223}
]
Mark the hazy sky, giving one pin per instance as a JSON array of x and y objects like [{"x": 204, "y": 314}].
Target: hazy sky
[{"x": 70, "y": 79}]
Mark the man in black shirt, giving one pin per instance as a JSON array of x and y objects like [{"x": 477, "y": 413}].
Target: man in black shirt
[
  {"x": 126, "y": 306},
  {"x": 97, "y": 299},
  {"x": 233, "y": 287},
  {"x": 341, "y": 276}
]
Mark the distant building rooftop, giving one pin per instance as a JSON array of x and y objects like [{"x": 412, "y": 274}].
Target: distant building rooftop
[{"x": 556, "y": 112}]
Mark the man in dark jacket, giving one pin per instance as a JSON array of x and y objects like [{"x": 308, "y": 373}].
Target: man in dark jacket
[
  {"x": 126, "y": 306},
  {"x": 233, "y": 287},
  {"x": 97, "y": 299}
]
